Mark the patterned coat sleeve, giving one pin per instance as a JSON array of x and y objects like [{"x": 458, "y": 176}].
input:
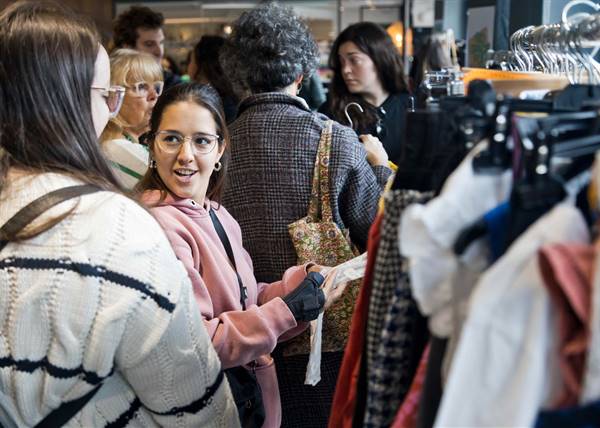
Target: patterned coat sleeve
[{"x": 357, "y": 185}]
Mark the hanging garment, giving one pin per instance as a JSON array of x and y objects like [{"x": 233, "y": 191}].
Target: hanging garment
[
  {"x": 587, "y": 416},
  {"x": 392, "y": 339},
  {"x": 591, "y": 383},
  {"x": 428, "y": 233},
  {"x": 432, "y": 387},
  {"x": 506, "y": 364},
  {"x": 567, "y": 271},
  {"x": 344, "y": 399},
  {"x": 407, "y": 415}
]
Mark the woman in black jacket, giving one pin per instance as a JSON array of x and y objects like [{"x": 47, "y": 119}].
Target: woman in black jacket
[{"x": 368, "y": 71}]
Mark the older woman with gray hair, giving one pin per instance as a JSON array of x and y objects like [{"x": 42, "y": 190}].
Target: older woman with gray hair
[{"x": 274, "y": 143}]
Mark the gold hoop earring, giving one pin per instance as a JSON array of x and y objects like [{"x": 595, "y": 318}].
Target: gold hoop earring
[{"x": 218, "y": 166}]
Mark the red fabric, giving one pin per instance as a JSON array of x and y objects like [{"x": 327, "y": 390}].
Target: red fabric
[
  {"x": 567, "y": 271},
  {"x": 409, "y": 411},
  {"x": 344, "y": 399}
]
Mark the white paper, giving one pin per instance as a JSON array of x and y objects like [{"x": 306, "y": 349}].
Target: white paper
[
  {"x": 348, "y": 271},
  {"x": 313, "y": 369}
]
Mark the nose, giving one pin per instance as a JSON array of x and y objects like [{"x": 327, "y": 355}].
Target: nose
[
  {"x": 158, "y": 52},
  {"x": 186, "y": 154},
  {"x": 346, "y": 69},
  {"x": 152, "y": 95}
]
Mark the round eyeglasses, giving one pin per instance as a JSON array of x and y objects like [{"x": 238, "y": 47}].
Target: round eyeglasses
[
  {"x": 171, "y": 141},
  {"x": 142, "y": 89},
  {"x": 114, "y": 98}
]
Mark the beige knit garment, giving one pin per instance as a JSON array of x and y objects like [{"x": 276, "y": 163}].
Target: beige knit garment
[{"x": 101, "y": 292}]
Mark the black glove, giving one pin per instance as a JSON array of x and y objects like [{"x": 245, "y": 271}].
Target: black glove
[{"x": 307, "y": 300}]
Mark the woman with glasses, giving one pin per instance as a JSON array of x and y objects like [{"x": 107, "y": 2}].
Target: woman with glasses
[
  {"x": 189, "y": 146},
  {"x": 274, "y": 143},
  {"x": 98, "y": 324},
  {"x": 367, "y": 70},
  {"x": 141, "y": 77}
]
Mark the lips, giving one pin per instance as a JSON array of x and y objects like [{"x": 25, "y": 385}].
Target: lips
[
  {"x": 184, "y": 175},
  {"x": 183, "y": 172}
]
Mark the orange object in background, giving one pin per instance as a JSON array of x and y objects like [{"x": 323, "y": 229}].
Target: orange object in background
[
  {"x": 514, "y": 82},
  {"x": 396, "y": 32}
]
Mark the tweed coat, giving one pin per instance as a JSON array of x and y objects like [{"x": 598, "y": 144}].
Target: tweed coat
[{"x": 274, "y": 145}]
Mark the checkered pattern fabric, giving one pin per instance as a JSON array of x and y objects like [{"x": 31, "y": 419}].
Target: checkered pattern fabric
[
  {"x": 392, "y": 314},
  {"x": 274, "y": 144}
]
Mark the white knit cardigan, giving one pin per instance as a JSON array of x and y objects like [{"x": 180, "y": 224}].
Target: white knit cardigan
[{"x": 101, "y": 297}]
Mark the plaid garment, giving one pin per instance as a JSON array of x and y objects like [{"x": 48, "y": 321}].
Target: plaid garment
[
  {"x": 274, "y": 144},
  {"x": 393, "y": 315}
]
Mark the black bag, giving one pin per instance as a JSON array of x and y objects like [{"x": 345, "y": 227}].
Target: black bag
[
  {"x": 247, "y": 395},
  {"x": 243, "y": 383}
]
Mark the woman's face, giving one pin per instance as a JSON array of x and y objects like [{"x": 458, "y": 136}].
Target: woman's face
[
  {"x": 358, "y": 70},
  {"x": 100, "y": 111},
  {"x": 137, "y": 109},
  {"x": 186, "y": 170}
]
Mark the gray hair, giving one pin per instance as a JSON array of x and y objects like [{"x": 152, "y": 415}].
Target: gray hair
[{"x": 268, "y": 49}]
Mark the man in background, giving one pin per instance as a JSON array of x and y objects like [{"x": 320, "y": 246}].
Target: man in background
[{"x": 141, "y": 28}]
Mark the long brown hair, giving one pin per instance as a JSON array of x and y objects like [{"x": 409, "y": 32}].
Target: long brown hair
[
  {"x": 47, "y": 57},
  {"x": 207, "y": 97},
  {"x": 206, "y": 55},
  {"x": 373, "y": 41}
]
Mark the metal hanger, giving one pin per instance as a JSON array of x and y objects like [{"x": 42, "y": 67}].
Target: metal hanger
[{"x": 352, "y": 104}]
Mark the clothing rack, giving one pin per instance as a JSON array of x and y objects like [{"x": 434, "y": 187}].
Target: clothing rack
[{"x": 561, "y": 49}]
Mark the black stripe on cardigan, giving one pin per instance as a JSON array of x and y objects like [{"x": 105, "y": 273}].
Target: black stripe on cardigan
[
  {"x": 193, "y": 407},
  {"x": 200, "y": 403},
  {"x": 128, "y": 415},
  {"x": 29, "y": 366},
  {"x": 89, "y": 270}
]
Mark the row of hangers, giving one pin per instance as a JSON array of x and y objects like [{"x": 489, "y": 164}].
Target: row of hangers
[
  {"x": 564, "y": 49},
  {"x": 545, "y": 143}
]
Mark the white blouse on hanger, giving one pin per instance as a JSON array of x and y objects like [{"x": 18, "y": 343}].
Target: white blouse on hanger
[
  {"x": 505, "y": 368},
  {"x": 441, "y": 283}
]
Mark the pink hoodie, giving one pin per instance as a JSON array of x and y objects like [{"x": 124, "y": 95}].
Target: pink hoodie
[{"x": 239, "y": 337}]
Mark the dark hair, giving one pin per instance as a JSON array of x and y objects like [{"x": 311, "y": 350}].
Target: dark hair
[
  {"x": 47, "y": 58},
  {"x": 126, "y": 25},
  {"x": 206, "y": 55},
  {"x": 269, "y": 47},
  {"x": 173, "y": 67},
  {"x": 433, "y": 56},
  {"x": 372, "y": 40},
  {"x": 207, "y": 97}
]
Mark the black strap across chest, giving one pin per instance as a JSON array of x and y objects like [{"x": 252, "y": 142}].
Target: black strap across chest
[{"x": 227, "y": 245}]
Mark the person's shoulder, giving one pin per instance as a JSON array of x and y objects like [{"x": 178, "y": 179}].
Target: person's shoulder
[
  {"x": 398, "y": 100},
  {"x": 111, "y": 207}
]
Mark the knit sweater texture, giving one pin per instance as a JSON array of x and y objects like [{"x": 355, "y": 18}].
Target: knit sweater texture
[
  {"x": 274, "y": 145},
  {"x": 239, "y": 336},
  {"x": 101, "y": 297}
]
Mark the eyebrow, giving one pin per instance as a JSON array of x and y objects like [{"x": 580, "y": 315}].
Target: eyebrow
[
  {"x": 181, "y": 133},
  {"x": 350, "y": 53}
]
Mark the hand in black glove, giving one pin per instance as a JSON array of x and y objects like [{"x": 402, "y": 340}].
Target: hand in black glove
[{"x": 307, "y": 300}]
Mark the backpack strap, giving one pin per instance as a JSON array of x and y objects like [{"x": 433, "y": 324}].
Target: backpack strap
[
  {"x": 30, "y": 212},
  {"x": 63, "y": 413}
]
